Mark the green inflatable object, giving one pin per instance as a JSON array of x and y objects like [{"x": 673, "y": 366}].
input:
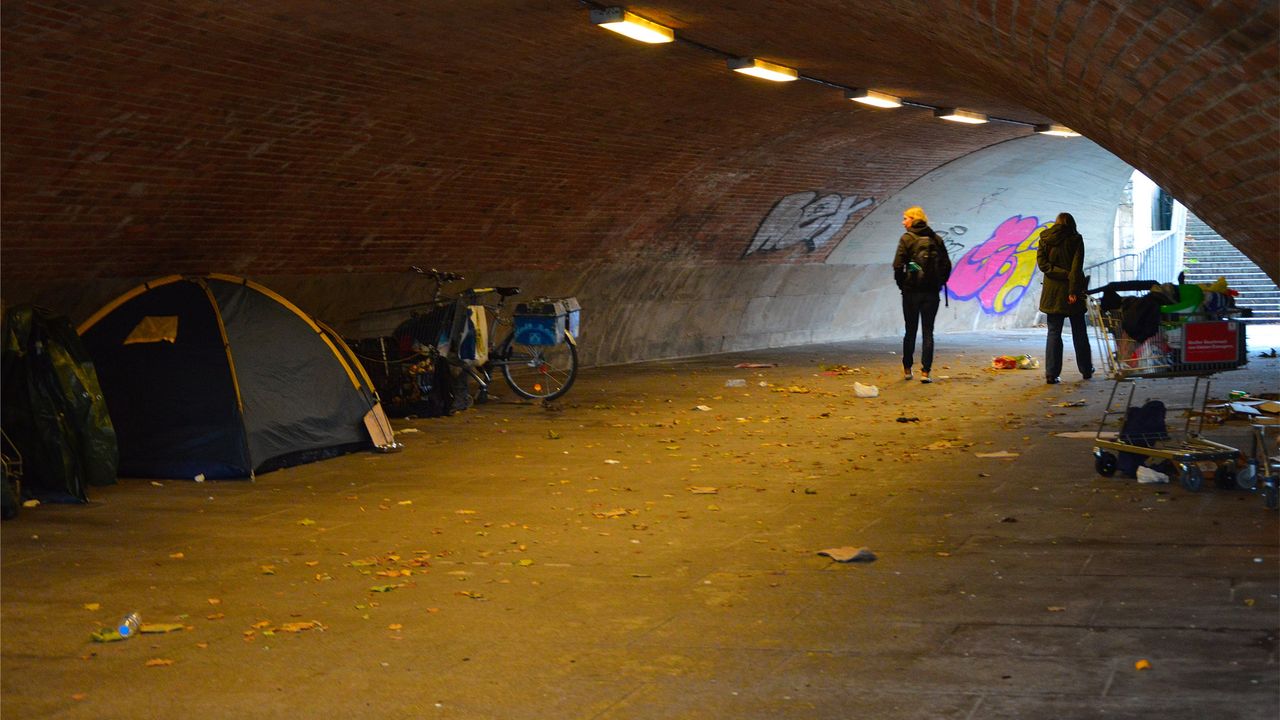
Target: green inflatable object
[{"x": 1189, "y": 298}]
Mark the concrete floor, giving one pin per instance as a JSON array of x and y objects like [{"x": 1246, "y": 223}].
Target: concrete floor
[{"x": 559, "y": 563}]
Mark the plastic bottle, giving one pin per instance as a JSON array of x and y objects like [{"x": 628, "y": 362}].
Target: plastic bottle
[{"x": 129, "y": 625}]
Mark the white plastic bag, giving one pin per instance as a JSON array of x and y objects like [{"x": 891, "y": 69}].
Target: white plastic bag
[{"x": 865, "y": 391}]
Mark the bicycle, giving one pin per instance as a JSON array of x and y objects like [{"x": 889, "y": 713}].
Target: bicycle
[{"x": 473, "y": 332}]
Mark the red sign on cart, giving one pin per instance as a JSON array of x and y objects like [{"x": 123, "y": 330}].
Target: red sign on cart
[{"x": 1208, "y": 342}]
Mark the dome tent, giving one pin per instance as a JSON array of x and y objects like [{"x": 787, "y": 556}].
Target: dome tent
[{"x": 219, "y": 376}]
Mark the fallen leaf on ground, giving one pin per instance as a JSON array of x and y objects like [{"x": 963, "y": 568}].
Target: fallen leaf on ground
[
  {"x": 1001, "y": 454},
  {"x": 160, "y": 628},
  {"x": 176, "y": 556},
  {"x": 268, "y": 569},
  {"x": 105, "y": 635},
  {"x": 306, "y": 522},
  {"x": 79, "y": 696},
  {"x": 92, "y": 606},
  {"x": 703, "y": 490},
  {"x": 1055, "y": 608},
  {"x": 1142, "y": 665},
  {"x": 158, "y": 662}
]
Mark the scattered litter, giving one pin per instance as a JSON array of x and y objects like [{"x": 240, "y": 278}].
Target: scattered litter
[
  {"x": 407, "y": 430},
  {"x": 1056, "y": 608},
  {"x": 553, "y": 435},
  {"x": 199, "y": 478},
  {"x": 735, "y": 382},
  {"x": 703, "y": 490},
  {"x": 908, "y": 419},
  {"x": 1143, "y": 664},
  {"x": 702, "y": 408},
  {"x": 1011, "y": 362},
  {"x": 1148, "y": 476},
  {"x": 848, "y": 553},
  {"x": 306, "y": 522},
  {"x": 611, "y": 461},
  {"x": 158, "y": 662},
  {"x": 835, "y": 370},
  {"x": 1001, "y": 454},
  {"x": 30, "y": 503},
  {"x": 1009, "y": 520},
  {"x": 865, "y": 391},
  {"x": 755, "y": 365},
  {"x": 1073, "y": 403}
]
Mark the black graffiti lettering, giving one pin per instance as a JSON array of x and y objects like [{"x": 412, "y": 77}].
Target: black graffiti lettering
[{"x": 805, "y": 217}]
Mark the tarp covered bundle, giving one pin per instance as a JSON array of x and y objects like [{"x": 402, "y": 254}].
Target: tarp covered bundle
[
  {"x": 217, "y": 376},
  {"x": 53, "y": 407}
]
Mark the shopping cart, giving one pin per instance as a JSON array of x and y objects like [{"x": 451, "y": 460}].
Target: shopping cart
[{"x": 1191, "y": 342}]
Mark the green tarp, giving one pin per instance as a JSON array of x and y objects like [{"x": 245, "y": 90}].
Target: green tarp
[{"x": 52, "y": 407}]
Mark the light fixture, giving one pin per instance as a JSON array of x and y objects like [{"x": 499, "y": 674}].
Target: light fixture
[
  {"x": 873, "y": 98},
  {"x": 763, "y": 69},
  {"x": 960, "y": 116},
  {"x": 1056, "y": 131},
  {"x": 633, "y": 26}
]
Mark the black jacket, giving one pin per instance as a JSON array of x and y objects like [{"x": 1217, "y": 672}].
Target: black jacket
[
  {"x": 1061, "y": 259},
  {"x": 920, "y": 241}
]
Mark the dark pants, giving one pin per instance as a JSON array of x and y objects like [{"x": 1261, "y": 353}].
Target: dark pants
[
  {"x": 919, "y": 309},
  {"x": 1053, "y": 346}
]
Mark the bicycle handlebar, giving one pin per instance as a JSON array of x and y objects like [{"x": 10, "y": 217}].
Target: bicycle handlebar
[{"x": 437, "y": 275}]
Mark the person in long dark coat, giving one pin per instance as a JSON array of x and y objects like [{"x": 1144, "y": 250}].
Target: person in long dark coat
[{"x": 1061, "y": 259}]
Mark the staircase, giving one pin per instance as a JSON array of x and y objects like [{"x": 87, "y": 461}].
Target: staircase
[{"x": 1207, "y": 257}]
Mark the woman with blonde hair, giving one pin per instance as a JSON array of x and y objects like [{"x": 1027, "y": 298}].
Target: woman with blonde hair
[{"x": 921, "y": 267}]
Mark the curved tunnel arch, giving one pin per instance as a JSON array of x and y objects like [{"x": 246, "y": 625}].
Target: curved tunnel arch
[{"x": 324, "y": 147}]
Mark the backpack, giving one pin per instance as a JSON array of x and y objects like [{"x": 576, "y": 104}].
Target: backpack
[{"x": 930, "y": 255}]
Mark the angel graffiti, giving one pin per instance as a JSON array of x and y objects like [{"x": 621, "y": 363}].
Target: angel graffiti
[{"x": 998, "y": 271}]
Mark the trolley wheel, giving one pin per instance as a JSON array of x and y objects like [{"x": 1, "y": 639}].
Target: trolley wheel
[
  {"x": 1192, "y": 478},
  {"x": 1225, "y": 476},
  {"x": 1247, "y": 477},
  {"x": 1270, "y": 492},
  {"x": 1105, "y": 463}
]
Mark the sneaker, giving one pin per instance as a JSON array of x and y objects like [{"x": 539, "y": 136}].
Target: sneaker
[
  {"x": 924, "y": 378},
  {"x": 906, "y": 375},
  {"x": 1052, "y": 381},
  {"x": 1087, "y": 375}
]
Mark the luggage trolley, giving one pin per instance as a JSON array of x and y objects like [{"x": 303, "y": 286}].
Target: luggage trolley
[{"x": 1193, "y": 343}]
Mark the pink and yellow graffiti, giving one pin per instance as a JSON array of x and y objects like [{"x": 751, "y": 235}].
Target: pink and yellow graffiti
[{"x": 998, "y": 271}]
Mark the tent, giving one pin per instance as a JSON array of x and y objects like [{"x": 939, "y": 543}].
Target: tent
[{"x": 219, "y": 376}]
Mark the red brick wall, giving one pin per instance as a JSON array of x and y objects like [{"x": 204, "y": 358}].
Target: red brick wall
[{"x": 304, "y": 136}]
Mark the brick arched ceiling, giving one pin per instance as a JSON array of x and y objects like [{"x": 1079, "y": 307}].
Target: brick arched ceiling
[{"x": 306, "y": 136}]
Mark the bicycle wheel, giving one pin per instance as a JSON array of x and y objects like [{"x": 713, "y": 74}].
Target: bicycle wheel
[{"x": 539, "y": 372}]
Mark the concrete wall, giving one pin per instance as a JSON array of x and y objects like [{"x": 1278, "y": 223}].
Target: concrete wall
[
  {"x": 990, "y": 206},
  {"x": 989, "y": 203}
]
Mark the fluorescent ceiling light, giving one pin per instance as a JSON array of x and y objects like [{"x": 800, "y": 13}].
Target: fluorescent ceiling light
[
  {"x": 960, "y": 116},
  {"x": 763, "y": 69},
  {"x": 873, "y": 98},
  {"x": 633, "y": 26},
  {"x": 1057, "y": 131}
]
